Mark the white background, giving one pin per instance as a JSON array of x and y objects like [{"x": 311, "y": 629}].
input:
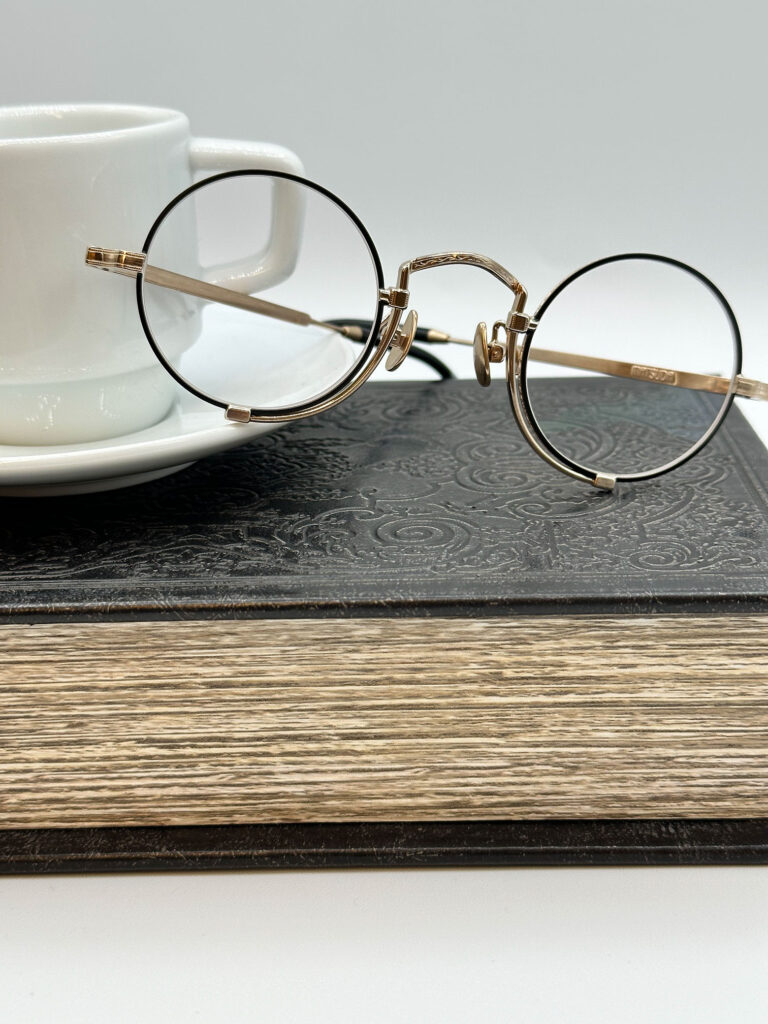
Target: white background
[{"x": 543, "y": 134}]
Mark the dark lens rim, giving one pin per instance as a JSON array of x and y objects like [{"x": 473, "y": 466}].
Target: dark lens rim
[
  {"x": 727, "y": 402},
  {"x": 278, "y": 412}
]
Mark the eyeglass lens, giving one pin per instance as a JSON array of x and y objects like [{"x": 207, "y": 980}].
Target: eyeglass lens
[
  {"x": 630, "y": 366},
  {"x": 223, "y": 234}
]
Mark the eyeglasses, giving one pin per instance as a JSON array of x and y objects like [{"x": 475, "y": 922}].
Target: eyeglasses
[{"x": 648, "y": 345}]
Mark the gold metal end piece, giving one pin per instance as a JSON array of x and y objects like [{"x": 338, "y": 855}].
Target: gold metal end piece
[
  {"x": 604, "y": 481},
  {"x": 517, "y": 323},
  {"x": 748, "y": 388},
  {"x": 238, "y": 413},
  {"x": 118, "y": 261}
]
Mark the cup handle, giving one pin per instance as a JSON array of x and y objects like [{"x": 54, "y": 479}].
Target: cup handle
[{"x": 278, "y": 258}]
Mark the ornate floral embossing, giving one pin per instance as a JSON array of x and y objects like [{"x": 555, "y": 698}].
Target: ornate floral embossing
[{"x": 404, "y": 493}]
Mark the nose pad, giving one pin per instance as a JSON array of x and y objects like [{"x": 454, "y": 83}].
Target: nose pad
[
  {"x": 480, "y": 352},
  {"x": 401, "y": 343},
  {"x": 486, "y": 354}
]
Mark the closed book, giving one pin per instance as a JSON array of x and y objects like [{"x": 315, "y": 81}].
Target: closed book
[{"x": 390, "y": 634}]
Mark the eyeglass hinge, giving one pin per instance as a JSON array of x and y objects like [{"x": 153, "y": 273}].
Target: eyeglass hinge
[
  {"x": 118, "y": 261},
  {"x": 395, "y": 297}
]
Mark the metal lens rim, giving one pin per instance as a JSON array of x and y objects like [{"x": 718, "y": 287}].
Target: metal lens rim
[
  {"x": 727, "y": 401},
  {"x": 280, "y": 412}
]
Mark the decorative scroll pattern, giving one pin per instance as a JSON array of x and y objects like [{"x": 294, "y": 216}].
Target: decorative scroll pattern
[{"x": 408, "y": 493}]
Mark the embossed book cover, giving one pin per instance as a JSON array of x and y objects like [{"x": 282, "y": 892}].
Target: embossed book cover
[
  {"x": 391, "y": 635},
  {"x": 411, "y": 497}
]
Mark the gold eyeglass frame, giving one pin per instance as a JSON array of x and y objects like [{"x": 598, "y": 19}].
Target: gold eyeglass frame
[{"x": 392, "y": 335}]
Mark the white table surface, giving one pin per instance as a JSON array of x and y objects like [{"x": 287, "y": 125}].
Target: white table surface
[{"x": 668, "y": 945}]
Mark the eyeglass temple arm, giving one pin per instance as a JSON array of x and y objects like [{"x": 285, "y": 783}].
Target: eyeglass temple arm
[
  {"x": 118, "y": 261},
  {"x": 131, "y": 264},
  {"x": 745, "y": 386}
]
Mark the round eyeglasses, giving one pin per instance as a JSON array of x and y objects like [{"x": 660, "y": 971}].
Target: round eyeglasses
[{"x": 225, "y": 284}]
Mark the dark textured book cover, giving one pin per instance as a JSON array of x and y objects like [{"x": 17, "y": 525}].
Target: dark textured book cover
[{"x": 409, "y": 498}]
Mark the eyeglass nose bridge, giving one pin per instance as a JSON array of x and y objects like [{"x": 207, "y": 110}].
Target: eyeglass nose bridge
[
  {"x": 484, "y": 353},
  {"x": 468, "y": 259}
]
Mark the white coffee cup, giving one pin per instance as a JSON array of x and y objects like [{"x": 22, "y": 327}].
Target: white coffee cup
[{"x": 75, "y": 365}]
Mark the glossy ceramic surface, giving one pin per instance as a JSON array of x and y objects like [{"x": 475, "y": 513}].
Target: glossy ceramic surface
[
  {"x": 74, "y": 363},
  {"x": 191, "y": 430}
]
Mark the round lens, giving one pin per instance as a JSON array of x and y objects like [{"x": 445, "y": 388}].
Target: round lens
[
  {"x": 245, "y": 275},
  {"x": 631, "y": 366}
]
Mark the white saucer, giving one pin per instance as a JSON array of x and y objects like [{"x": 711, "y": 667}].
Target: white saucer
[
  {"x": 190, "y": 431},
  {"x": 193, "y": 428}
]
